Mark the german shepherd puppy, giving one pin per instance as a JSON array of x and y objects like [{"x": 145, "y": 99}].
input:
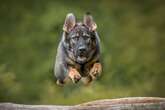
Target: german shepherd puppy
[{"x": 78, "y": 53}]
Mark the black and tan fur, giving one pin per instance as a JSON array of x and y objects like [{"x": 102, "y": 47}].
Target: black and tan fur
[{"x": 78, "y": 53}]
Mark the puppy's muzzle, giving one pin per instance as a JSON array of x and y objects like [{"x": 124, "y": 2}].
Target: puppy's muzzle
[{"x": 82, "y": 50}]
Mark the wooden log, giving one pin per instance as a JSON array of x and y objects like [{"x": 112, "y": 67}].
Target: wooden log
[{"x": 130, "y": 103}]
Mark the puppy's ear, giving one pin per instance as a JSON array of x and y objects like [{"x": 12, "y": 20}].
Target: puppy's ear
[
  {"x": 88, "y": 21},
  {"x": 70, "y": 22}
]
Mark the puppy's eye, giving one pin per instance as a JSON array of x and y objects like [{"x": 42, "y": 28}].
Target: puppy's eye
[
  {"x": 86, "y": 37},
  {"x": 75, "y": 38}
]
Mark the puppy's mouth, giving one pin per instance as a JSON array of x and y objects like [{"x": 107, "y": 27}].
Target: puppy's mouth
[{"x": 81, "y": 59}]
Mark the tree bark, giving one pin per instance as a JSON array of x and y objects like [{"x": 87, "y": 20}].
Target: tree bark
[{"x": 131, "y": 103}]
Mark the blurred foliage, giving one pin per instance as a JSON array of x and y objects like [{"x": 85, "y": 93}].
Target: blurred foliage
[{"x": 132, "y": 36}]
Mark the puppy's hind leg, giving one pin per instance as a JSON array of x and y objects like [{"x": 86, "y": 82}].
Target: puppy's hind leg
[
  {"x": 62, "y": 82},
  {"x": 61, "y": 74}
]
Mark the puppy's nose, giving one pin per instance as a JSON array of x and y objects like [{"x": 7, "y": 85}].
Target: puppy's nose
[{"x": 82, "y": 49}]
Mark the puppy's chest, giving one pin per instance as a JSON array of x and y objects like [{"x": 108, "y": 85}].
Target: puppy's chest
[{"x": 83, "y": 69}]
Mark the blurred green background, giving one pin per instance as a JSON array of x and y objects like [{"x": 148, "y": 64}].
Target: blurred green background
[{"x": 132, "y": 34}]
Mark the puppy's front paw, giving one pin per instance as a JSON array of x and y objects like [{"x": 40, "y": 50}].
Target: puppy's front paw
[
  {"x": 96, "y": 70},
  {"x": 74, "y": 75}
]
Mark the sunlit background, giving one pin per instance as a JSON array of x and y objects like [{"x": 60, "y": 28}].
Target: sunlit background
[{"x": 132, "y": 34}]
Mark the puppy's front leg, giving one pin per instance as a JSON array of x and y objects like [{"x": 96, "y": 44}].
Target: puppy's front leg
[
  {"x": 74, "y": 75},
  {"x": 95, "y": 70}
]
